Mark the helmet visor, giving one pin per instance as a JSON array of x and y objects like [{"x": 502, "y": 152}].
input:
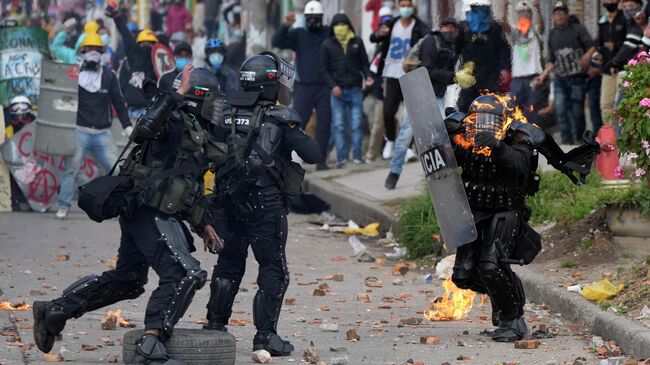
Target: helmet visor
[
  {"x": 486, "y": 122},
  {"x": 287, "y": 73}
]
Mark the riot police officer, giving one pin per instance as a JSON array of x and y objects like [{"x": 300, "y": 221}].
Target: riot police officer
[
  {"x": 166, "y": 166},
  {"x": 253, "y": 188},
  {"x": 498, "y": 156}
]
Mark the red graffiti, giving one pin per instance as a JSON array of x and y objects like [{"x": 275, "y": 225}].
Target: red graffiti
[
  {"x": 88, "y": 167},
  {"x": 43, "y": 188},
  {"x": 73, "y": 72}
]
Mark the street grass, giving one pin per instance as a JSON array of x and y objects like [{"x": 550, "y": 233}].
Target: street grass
[{"x": 558, "y": 200}]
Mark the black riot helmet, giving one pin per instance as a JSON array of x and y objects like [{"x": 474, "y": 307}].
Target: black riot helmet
[
  {"x": 487, "y": 114},
  {"x": 265, "y": 72},
  {"x": 203, "y": 83}
]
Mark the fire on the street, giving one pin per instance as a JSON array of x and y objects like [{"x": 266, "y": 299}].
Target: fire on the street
[
  {"x": 113, "y": 318},
  {"x": 455, "y": 303},
  {"x": 466, "y": 140},
  {"x": 6, "y": 305}
]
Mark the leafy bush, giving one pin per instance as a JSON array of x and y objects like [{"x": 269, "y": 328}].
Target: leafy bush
[
  {"x": 418, "y": 226},
  {"x": 633, "y": 114}
]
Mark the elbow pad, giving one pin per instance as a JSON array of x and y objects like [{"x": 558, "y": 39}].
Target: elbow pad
[
  {"x": 151, "y": 124},
  {"x": 267, "y": 142}
]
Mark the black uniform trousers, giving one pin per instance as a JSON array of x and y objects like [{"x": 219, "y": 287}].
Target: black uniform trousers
[
  {"x": 141, "y": 247},
  {"x": 265, "y": 230}
]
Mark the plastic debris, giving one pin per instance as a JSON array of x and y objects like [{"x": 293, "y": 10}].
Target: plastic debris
[
  {"x": 445, "y": 267},
  {"x": 357, "y": 246},
  {"x": 398, "y": 252},
  {"x": 371, "y": 230},
  {"x": 645, "y": 312},
  {"x": 574, "y": 288},
  {"x": 601, "y": 290}
]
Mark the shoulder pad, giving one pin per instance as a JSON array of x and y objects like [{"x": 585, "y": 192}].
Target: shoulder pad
[
  {"x": 243, "y": 98},
  {"x": 455, "y": 117},
  {"x": 284, "y": 114},
  {"x": 532, "y": 133}
]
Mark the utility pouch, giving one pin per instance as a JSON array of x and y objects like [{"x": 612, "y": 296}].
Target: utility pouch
[
  {"x": 527, "y": 245},
  {"x": 217, "y": 152},
  {"x": 105, "y": 197},
  {"x": 291, "y": 179}
]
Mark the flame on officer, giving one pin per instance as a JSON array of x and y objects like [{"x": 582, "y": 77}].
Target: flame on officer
[
  {"x": 455, "y": 303},
  {"x": 466, "y": 140},
  {"x": 6, "y": 305}
]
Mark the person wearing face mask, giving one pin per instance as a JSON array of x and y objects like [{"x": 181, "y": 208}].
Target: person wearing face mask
[
  {"x": 612, "y": 29},
  {"x": 485, "y": 52},
  {"x": 395, "y": 39},
  {"x": 108, "y": 57},
  {"x": 309, "y": 90},
  {"x": 215, "y": 53},
  {"x": 525, "y": 26},
  {"x": 182, "y": 56},
  {"x": 438, "y": 54},
  {"x": 99, "y": 90},
  {"x": 137, "y": 73},
  {"x": 636, "y": 24}
]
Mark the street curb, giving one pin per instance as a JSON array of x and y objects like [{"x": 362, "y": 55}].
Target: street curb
[
  {"x": 633, "y": 338},
  {"x": 345, "y": 203}
]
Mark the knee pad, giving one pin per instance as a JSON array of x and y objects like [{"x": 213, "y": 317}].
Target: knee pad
[
  {"x": 222, "y": 296},
  {"x": 93, "y": 292},
  {"x": 490, "y": 272}
]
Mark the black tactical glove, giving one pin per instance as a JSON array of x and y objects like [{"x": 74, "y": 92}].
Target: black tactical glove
[{"x": 486, "y": 139}]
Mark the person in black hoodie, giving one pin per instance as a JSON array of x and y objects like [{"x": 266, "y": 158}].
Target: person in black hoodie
[
  {"x": 137, "y": 72},
  {"x": 98, "y": 91},
  {"x": 182, "y": 56},
  {"x": 309, "y": 90},
  {"x": 395, "y": 39},
  {"x": 344, "y": 64}
]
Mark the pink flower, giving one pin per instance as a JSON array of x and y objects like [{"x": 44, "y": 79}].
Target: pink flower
[
  {"x": 642, "y": 54},
  {"x": 645, "y": 102},
  {"x": 639, "y": 172},
  {"x": 632, "y": 62},
  {"x": 618, "y": 172},
  {"x": 632, "y": 155},
  {"x": 646, "y": 146},
  {"x": 626, "y": 84}
]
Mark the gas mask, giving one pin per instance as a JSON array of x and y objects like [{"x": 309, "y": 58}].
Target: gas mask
[
  {"x": 314, "y": 23},
  {"x": 91, "y": 61}
]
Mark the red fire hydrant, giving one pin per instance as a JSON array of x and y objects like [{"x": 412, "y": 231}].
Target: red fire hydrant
[{"x": 607, "y": 160}]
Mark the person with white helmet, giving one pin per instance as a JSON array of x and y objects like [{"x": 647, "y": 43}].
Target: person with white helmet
[
  {"x": 485, "y": 53},
  {"x": 395, "y": 39},
  {"x": 99, "y": 90},
  {"x": 19, "y": 115},
  {"x": 309, "y": 89}
]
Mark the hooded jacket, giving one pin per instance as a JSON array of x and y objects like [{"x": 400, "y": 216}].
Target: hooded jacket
[{"x": 339, "y": 68}]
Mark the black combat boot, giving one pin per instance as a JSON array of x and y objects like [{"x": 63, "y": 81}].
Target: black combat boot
[
  {"x": 150, "y": 350},
  {"x": 49, "y": 321},
  {"x": 272, "y": 343},
  {"x": 510, "y": 330}
]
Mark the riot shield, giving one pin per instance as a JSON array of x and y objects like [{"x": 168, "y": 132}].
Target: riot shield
[
  {"x": 5, "y": 182},
  {"x": 57, "y": 109},
  {"x": 437, "y": 157},
  {"x": 162, "y": 59}
]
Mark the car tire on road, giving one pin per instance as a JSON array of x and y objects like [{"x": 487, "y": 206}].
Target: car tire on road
[{"x": 192, "y": 346}]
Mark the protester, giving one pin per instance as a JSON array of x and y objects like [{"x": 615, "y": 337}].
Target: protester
[
  {"x": 177, "y": 17},
  {"x": 612, "y": 28},
  {"x": 526, "y": 28},
  {"x": 569, "y": 53},
  {"x": 309, "y": 90},
  {"x": 636, "y": 24},
  {"x": 485, "y": 52},
  {"x": 395, "y": 39},
  {"x": 438, "y": 55},
  {"x": 139, "y": 71},
  {"x": 60, "y": 51},
  {"x": 374, "y": 6},
  {"x": 182, "y": 56},
  {"x": 215, "y": 53},
  {"x": 109, "y": 57},
  {"x": 20, "y": 115},
  {"x": 344, "y": 65},
  {"x": 98, "y": 91}
]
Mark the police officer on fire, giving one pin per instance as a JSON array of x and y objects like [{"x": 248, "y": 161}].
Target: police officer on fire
[
  {"x": 162, "y": 186},
  {"x": 253, "y": 188}
]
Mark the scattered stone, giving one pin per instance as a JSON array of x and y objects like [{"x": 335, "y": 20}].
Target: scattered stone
[
  {"x": 596, "y": 341},
  {"x": 430, "y": 340},
  {"x": 381, "y": 261},
  {"x": 52, "y": 357},
  {"x": 324, "y": 287},
  {"x": 90, "y": 347},
  {"x": 463, "y": 357},
  {"x": 607, "y": 275},
  {"x": 363, "y": 297},
  {"x": 338, "y": 349},
  {"x": 112, "y": 263},
  {"x": 324, "y": 308},
  {"x": 329, "y": 327},
  {"x": 409, "y": 322},
  {"x": 261, "y": 357},
  {"x": 461, "y": 343},
  {"x": 337, "y": 277},
  {"x": 398, "y": 281},
  {"x": 400, "y": 269},
  {"x": 343, "y": 360},
  {"x": 311, "y": 354},
  {"x": 318, "y": 293},
  {"x": 290, "y": 301},
  {"x": 62, "y": 257},
  {"x": 551, "y": 362},
  {"x": 527, "y": 344},
  {"x": 466, "y": 332},
  {"x": 112, "y": 358},
  {"x": 107, "y": 341},
  {"x": 37, "y": 293},
  {"x": 109, "y": 323},
  {"x": 366, "y": 257},
  {"x": 352, "y": 335},
  {"x": 580, "y": 361},
  {"x": 373, "y": 282}
]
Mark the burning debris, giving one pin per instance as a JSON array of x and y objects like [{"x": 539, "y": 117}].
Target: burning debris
[
  {"x": 114, "y": 318},
  {"x": 6, "y": 305},
  {"x": 455, "y": 303}
]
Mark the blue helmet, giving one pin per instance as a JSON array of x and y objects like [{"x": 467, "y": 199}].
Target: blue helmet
[{"x": 214, "y": 44}]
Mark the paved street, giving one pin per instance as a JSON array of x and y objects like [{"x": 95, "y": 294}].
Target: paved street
[{"x": 29, "y": 270}]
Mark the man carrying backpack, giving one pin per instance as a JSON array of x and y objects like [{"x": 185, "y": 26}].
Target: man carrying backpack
[{"x": 436, "y": 52}]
